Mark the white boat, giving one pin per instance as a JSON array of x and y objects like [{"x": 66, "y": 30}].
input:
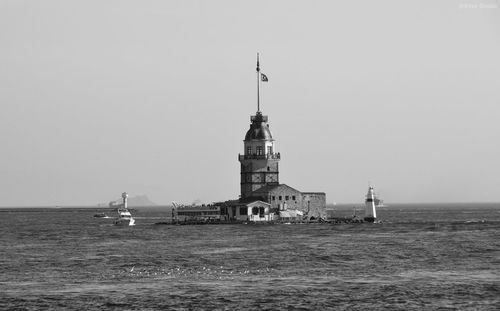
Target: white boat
[{"x": 124, "y": 216}]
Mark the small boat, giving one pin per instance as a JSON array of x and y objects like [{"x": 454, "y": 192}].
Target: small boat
[
  {"x": 124, "y": 216},
  {"x": 100, "y": 215}
]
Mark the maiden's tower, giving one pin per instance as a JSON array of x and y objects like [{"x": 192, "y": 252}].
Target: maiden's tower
[{"x": 262, "y": 196}]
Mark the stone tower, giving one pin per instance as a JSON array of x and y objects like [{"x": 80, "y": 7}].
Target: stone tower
[{"x": 259, "y": 163}]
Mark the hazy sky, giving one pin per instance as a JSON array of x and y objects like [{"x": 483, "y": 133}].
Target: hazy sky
[{"x": 154, "y": 97}]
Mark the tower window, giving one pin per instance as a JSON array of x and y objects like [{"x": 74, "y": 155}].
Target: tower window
[
  {"x": 293, "y": 197},
  {"x": 280, "y": 197},
  {"x": 287, "y": 197},
  {"x": 249, "y": 150},
  {"x": 268, "y": 169},
  {"x": 270, "y": 149},
  {"x": 259, "y": 150},
  {"x": 273, "y": 197}
]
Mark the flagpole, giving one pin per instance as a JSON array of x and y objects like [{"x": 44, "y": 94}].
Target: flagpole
[{"x": 258, "y": 84}]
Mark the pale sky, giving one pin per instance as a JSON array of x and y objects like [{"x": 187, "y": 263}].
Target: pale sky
[{"x": 155, "y": 97}]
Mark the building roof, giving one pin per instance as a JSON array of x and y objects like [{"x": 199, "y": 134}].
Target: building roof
[
  {"x": 269, "y": 188},
  {"x": 256, "y": 203},
  {"x": 259, "y": 129},
  {"x": 312, "y": 193},
  {"x": 261, "y": 132}
]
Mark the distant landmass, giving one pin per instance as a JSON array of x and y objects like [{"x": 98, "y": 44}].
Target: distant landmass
[{"x": 138, "y": 200}]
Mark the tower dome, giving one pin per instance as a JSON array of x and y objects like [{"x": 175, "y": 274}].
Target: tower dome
[{"x": 259, "y": 129}]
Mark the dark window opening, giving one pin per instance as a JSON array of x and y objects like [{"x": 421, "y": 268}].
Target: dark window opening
[
  {"x": 261, "y": 211},
  {"x": 273, "y": 198},
  {"x": 293, "y": 197},
  {"x": 287, "y": 197},
  {"x": 280, "y": 197},
  {"x": 259, "y": 150}
]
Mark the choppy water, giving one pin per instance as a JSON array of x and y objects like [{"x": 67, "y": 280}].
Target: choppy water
[{"x": 422, "y": 257}]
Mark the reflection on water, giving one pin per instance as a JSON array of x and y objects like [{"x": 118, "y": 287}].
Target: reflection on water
[{"x": 416, "y": 259}]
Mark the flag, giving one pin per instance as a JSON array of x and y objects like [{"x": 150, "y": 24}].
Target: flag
[{"x": 263, "y": 77}]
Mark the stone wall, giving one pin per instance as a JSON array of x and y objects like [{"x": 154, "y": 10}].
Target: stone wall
[
  {"x": 285, "y": 197},
  {"x": 316, "y": 202},
  {"x": 256, "y": 174}
]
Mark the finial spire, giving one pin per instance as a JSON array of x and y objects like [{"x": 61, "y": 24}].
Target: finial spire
[
  {"x": 258, "y": 84},
  {"x": 260, "y": 78}
]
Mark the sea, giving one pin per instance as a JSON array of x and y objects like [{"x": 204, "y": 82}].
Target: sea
[{"x": 419, "y": 257}]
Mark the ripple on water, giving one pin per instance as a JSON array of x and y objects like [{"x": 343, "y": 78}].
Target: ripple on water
[{"x": 222, "y": 250}]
